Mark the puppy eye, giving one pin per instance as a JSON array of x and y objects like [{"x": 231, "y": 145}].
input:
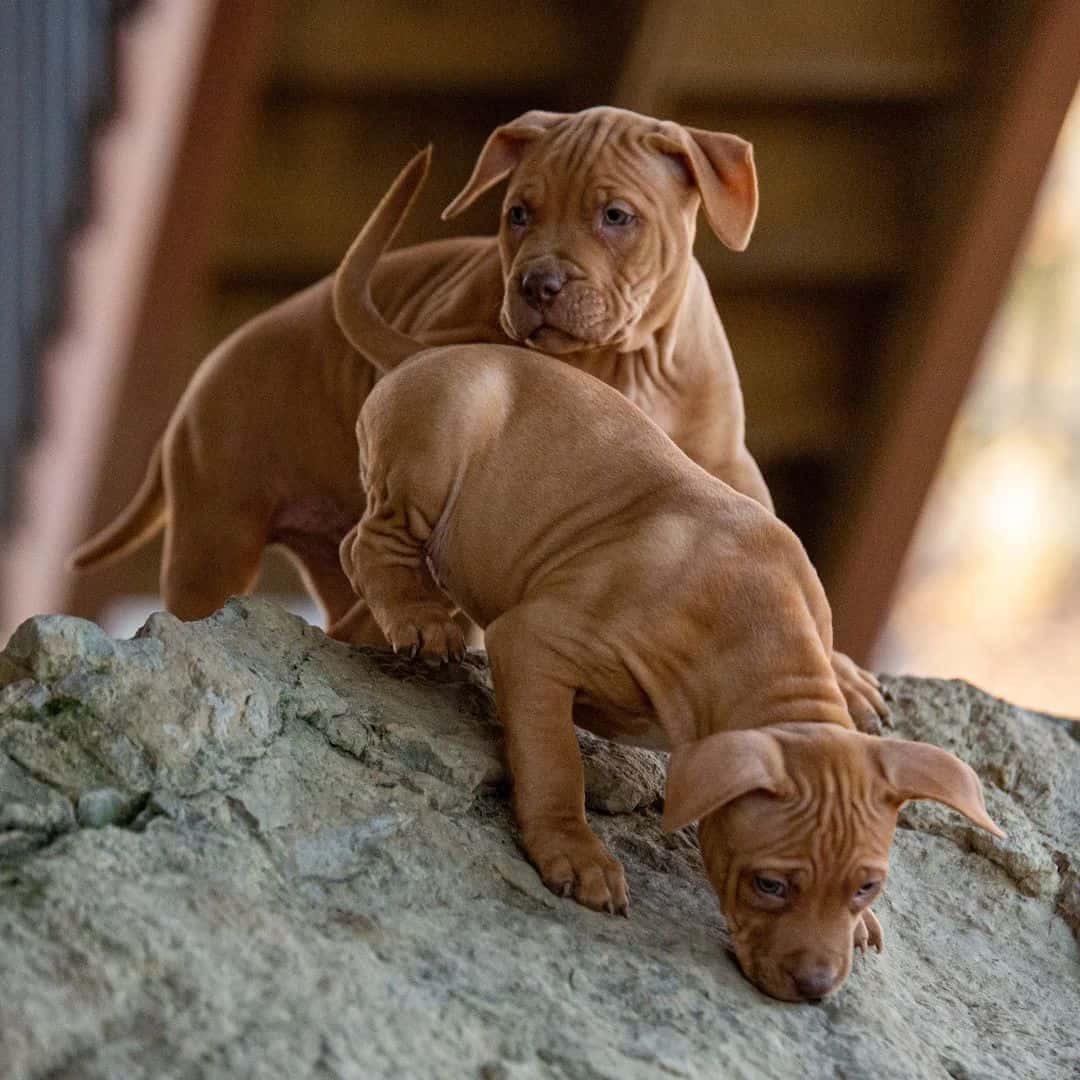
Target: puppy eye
[
  {"x": 616, "y": 215},
  {"x": 773, "y": 888},
  {"x": 518, "y": 215},
  {"x": 866, "y": 890}
]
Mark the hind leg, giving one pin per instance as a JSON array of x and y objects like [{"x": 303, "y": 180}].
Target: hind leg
[
  {"x": 331, "y": 588},
  {"x": 217, "y": 526},
  {"x": 346, "y": 618},
  {"x": 203, "y": 567},
  {"x": 386, "y": 566},
  {"x": 474, "y": 636},
  {"x": 358, "y": 627}
]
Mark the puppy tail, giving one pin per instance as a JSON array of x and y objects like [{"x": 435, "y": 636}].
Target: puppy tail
[
  {"x": 138, "y": 521},
  {"x": 361, "y": 323}
]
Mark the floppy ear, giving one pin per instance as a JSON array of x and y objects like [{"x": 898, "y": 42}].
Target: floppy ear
[
  {"x": 500, "y": 156},
  {"x": 920, "y": 771},
  {"x": 722, "y": 168},
  {"x": 702, "y": 776}
]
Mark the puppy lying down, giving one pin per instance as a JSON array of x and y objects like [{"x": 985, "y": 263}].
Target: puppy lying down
[{"x": 624, "y": 589}]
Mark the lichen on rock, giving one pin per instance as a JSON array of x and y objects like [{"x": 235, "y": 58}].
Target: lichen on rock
[{"x": 303, "y": 864}]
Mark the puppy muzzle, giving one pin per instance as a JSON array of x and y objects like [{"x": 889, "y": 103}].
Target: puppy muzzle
[{"x": 551, "y": 309}]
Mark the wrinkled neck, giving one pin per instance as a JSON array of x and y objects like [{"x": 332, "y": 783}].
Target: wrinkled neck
[
  {"x": 809, "y": 696},
  {"x": 659, "y": 323}
]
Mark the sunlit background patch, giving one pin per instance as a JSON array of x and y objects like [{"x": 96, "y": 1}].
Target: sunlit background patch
[{"x": 991, "y": 589}]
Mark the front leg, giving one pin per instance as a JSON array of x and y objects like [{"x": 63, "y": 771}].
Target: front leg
[
  {"x": 862, "y": 692},
  {"x": 535, "y": 702},
  {"x": 861, "y": 689},
  {"x": 868, "y": 932}
]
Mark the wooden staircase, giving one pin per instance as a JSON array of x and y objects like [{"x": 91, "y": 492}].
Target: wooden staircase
[
  {"x": 845, "y": 103},
  {"x": 871, "y": 123}
]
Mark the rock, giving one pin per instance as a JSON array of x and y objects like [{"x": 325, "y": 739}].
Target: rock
[
  {"x": 30, "y": 807},
  {"x": 312, "y": 871},
  {"x": 107, "y": 806}
]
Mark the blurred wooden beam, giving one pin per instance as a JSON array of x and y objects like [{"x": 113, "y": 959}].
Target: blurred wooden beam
[
  {"x": 938, "y": 345},
  {"x": 652, "y": 55},
  {"x": 189, "y": 74},
  {"x": 347, "y": 48}
]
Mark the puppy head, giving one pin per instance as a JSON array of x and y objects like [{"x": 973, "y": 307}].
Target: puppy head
[
  {"x": 599, "y": 217},
  {"x": 796, "y": 825}
]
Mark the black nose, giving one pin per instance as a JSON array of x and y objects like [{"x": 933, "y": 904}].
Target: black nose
[
  {"x": 540, "y": 287},
  {"x": 815, "y": 982}
]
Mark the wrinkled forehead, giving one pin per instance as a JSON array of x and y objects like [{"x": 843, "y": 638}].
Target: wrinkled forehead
[
  {"x": 602, "y": 149},
  {"x": 830, "y": 819}
]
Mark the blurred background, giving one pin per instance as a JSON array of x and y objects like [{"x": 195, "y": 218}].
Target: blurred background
[
  {"x": 904, "y": 321},
  {"x": 991, "y": 586}
]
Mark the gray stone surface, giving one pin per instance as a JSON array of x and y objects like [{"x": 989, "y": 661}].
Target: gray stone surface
[
  {"x": 319, "y": 877},
  {"x": 107, "y": 806}
]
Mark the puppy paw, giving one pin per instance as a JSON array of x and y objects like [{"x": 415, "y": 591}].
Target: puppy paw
[
  {"x": 358, "y": 627},
  {"x": 425, "y": 631},
  {"x": 575, "y": 863},
  {"x": 868, "y": 932},
  {"x": 862, "y": 692}
]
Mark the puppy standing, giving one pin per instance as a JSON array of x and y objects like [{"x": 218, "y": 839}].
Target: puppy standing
[
  {"x": 593, "y": 264},
  {"x": 624, "y": 589}
]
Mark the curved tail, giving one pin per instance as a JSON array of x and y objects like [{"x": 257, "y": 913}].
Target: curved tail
[
  {"x": 138, "y": 521},
  {"x": 366, "y": 330}
]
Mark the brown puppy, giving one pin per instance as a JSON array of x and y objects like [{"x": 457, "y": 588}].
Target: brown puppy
[
  {"x": 593, "y": 263},
  {"x": 624, "y": 589}
]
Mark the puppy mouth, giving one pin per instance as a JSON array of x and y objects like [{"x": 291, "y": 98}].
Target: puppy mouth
[
  {"x": 568, "y": 324},
  {"x": 552, "y": 339},
  {"x": 538, "y": 333},
  {"x": 777, "y": 984}
]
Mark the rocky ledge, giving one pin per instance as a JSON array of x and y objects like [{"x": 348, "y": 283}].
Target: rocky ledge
[{"x": 235, "y": 848}]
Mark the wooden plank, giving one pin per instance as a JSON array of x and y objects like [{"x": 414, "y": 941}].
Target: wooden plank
[
  {"x": 346, "y": 46},
  {"x": 291, "y": 219},
  {"x": 948, "y": 313},
  {"x": 834, "y": 186},
  {"x": 840, "y": 50},
  {"x": 798, "y": 353},
  {"x": 822, "y": 78},
  {"x": 189, "y": 72},
  {"x": 654, "y": 47},
  {"x": 837, "y": 50}
]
